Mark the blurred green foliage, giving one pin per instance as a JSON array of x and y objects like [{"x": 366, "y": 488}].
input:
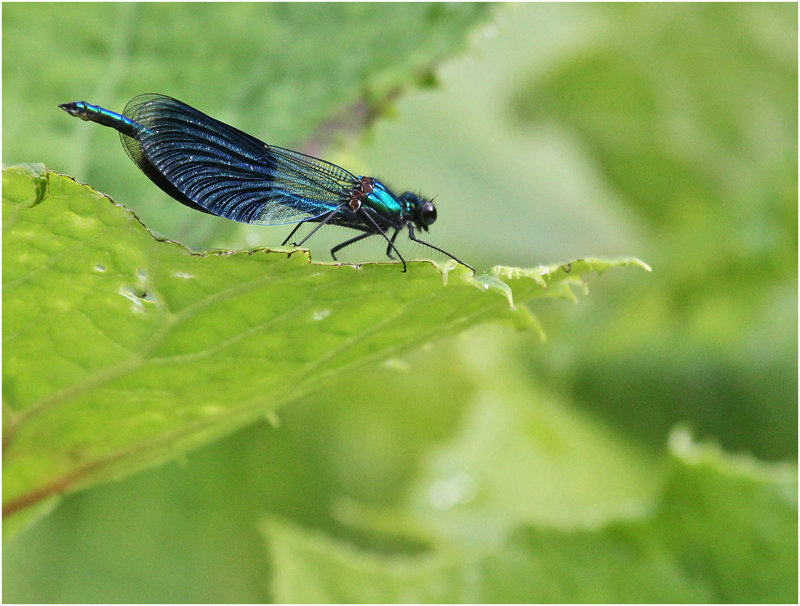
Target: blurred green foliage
[
  {"x": 664, "y": 131},
  {"x": 691, "y": 119},
  {"x": 671, "y": 554},
  {"x": 285, "y": 72}
]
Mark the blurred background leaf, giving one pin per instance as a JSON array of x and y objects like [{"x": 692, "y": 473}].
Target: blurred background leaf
[
  {"x": 691, "y": 119},
  {"x": 669, "y": 554},
  {"x": 668, "y": 132},
  {"x": 288, "y": 73}
]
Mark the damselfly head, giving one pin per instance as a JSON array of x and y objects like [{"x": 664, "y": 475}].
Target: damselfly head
[{"x": 421, "y": 211}]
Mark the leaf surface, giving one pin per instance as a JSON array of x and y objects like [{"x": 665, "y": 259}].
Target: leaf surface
[{"x": 121, "y": 350}]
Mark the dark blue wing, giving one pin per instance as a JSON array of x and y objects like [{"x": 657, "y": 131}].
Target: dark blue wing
[{"x": 227, "y": 172}]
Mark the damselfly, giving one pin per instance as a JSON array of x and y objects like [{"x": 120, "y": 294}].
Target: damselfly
[{"x": 218, "y": 169}]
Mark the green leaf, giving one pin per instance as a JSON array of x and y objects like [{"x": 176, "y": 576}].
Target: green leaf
[
  {"x": 121, "y": 350},
  {"x": 723, "y": 530}
]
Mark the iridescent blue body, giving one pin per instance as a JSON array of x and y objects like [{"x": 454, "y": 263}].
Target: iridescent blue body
[{"x": 218, "y": 169}]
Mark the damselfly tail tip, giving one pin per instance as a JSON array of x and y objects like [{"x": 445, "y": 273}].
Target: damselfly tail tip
[{"x": 70, "y": 108}]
